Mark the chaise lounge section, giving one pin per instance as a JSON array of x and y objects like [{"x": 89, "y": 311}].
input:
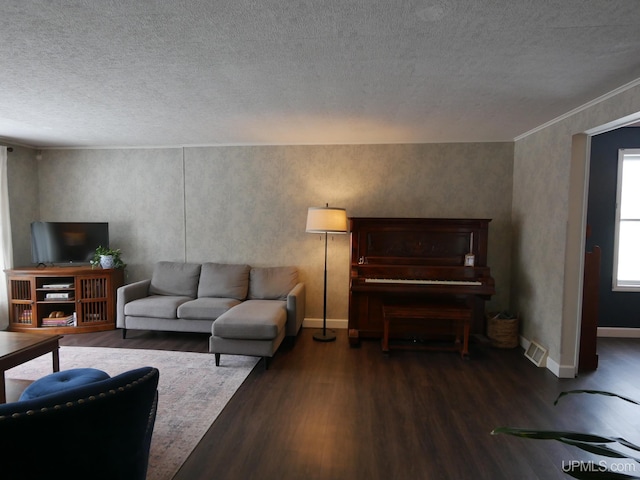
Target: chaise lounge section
[{"x": 247, "y": 310}]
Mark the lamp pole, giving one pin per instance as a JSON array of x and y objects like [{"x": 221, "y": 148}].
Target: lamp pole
[{"x": 324, "y": 337}]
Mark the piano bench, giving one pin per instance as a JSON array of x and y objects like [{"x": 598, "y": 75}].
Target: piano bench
[{"x": 459, "y": 314}]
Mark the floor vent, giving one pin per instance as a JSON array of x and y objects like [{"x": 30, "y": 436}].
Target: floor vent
[{"x": 536, "y": 353}]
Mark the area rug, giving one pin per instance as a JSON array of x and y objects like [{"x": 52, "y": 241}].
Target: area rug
[{"x": 192, "y": 392}]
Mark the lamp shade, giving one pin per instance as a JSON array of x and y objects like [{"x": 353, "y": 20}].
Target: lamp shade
[{"x": 326, "y": 220}]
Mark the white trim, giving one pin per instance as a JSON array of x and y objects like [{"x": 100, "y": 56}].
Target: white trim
[
  {"x": 587, "y": 105},
  {"x": 619, "y": 332},
  {"x": 616, "y": 237},
  {"x": 614, "y": 124},
  {"x": 575, "y": 244},
  {"x": 561, "y": 371},
  {"x": 220, "y": 145},
  {"x": 553, "y": 367}
]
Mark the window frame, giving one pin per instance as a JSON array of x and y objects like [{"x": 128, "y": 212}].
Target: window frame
[{"x": 633, "y": 285}]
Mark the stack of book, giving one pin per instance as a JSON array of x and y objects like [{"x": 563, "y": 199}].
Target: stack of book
[
  {"x": 59, "y": 296},
  {"x": 67, "y": 321},
  {"x": 57, "y": 285}
]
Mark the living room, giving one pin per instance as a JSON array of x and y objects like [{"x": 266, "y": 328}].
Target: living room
[{"x": 246, "y": 202}]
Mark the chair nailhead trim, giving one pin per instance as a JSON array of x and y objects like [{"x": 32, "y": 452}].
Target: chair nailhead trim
[{"x": 79, "y": 401}]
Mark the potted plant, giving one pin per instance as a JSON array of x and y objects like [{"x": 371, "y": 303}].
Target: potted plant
[
  {"x": 107, "y": 258},
  {"x": 609, "y": 447}
]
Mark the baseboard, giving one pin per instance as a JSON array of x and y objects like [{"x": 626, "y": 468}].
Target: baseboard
[
  {"x": 336, "y": 323},
  {"x": 619, "y": 332},
  {"x": 569, "y": 371},
  {"x": 560, "y": 371}
]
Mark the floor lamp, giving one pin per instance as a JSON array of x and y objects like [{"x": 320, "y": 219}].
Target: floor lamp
[{"x": 326, "y": 220}]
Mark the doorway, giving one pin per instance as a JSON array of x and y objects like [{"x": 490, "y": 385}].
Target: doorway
[{"x": 576, "y": 241}]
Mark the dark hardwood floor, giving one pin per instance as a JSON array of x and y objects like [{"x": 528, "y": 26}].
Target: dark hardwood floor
[
  {"x": 328, "y": 411},
  {"x": 181, "y": 342}
]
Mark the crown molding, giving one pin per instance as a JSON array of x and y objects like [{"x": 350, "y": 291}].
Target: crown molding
[{"x": 587, "y": 105}]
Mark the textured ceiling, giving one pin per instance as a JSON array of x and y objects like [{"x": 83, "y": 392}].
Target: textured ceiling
[{"x": 250, "y": 72}]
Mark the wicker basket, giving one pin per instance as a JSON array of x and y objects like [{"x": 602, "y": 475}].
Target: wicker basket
[{"x": 502, "y": 332}]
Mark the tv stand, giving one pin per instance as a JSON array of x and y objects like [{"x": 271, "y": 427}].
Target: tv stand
[{"x": 69, "y": 299}]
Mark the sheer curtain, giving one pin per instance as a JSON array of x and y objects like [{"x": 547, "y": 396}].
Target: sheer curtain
[{"x": 6, "y": 248}]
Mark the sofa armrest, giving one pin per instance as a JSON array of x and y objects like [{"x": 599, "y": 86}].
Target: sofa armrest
[
  {"x": 296, "y": 300},
  {"x": 129, "y": 293}
]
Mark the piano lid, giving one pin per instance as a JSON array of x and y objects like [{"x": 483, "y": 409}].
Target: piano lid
[{"x": 418, "y": 241}]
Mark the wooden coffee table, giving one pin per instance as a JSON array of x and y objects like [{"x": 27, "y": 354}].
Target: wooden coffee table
[{"x": 17, "y": 348}]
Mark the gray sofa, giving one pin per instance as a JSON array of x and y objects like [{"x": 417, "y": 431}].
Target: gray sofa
[{"x": 247, "y": 310}]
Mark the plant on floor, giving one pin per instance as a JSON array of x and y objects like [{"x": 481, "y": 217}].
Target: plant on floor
[
  {"x": 599, "y": 445},
  {"x": 101, "y": 252}
]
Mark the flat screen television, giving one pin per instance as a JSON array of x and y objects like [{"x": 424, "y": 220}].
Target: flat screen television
[{"x": 67, "y": 243}]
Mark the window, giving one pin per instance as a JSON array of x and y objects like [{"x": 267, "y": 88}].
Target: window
[{"x": 626, "y": 261}]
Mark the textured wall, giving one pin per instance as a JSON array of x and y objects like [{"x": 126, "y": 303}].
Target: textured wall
[
  {"x": 24, "y": 204},
  {"x": 138, "y": 191},
  {"x": 249, "y": 204},
  {"x": 539, "y": 233},
  {"x": 548, "y": 191}
]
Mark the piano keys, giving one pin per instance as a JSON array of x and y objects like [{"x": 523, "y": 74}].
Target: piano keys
[
  {"x": 421, "y": 262},
  {"x": 407, "y": 281}
]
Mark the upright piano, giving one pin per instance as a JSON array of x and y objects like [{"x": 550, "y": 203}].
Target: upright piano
[{"x": 416, "y": 262}]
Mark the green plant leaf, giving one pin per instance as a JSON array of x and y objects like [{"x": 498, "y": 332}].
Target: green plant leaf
[
  {"x": 595, "y": 392},
  {"x": 598, "y": 449},
  {"x": 551, "y": 435},
  {"x": 114, "y": 252},
  {"x": 584, "y": 441},
  {"x": 628, "y": 444}
]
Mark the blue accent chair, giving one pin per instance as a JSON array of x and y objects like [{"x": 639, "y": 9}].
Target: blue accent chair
[{"x": 99, "y": 430}]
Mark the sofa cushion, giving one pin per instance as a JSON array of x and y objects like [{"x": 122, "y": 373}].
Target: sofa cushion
[
  {"x": 253, "y": 320},
  {"x": 206, "y": 308},
  {"x": 272, "y": 283},
  {"x": 156, "y": 306},
  {"x": 224, "y": 281},
  {"x": 175, "y": 278}
]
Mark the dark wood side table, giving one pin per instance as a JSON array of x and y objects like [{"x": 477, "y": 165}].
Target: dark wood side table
[{"x": 17, "y": 348}]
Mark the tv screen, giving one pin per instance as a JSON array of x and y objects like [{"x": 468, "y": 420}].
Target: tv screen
[{"x": 67, "y": 242}]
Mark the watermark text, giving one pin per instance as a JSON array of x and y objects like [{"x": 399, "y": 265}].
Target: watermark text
[{"x": 600, "y": 466}]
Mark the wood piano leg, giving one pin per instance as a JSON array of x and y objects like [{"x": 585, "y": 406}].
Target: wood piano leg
[
  {"x": 465, "y": 341},
  {"x": 385, "y": 335},
  {"x": 354, "y": 337}
]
